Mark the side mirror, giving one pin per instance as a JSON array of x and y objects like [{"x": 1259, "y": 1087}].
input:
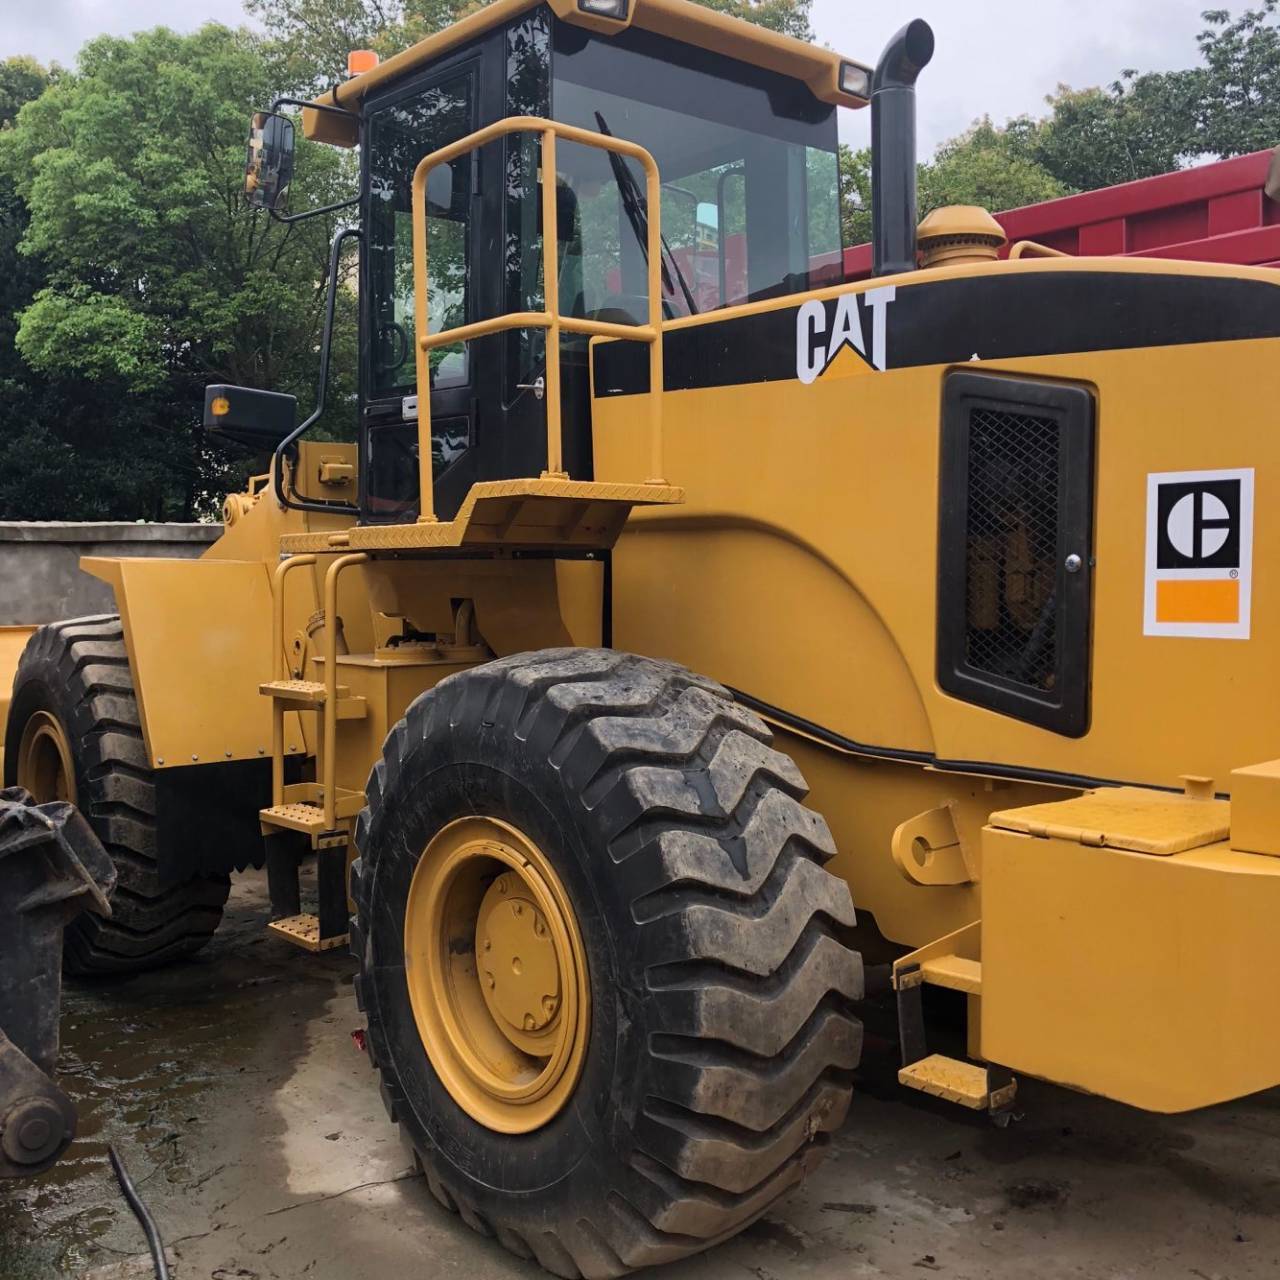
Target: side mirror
[
  {"x": 268, "y": 167},
  {"x": 440, "y": 191}
]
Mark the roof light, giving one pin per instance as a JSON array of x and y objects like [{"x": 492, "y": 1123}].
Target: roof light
[
  {"x": 605, "y": 8},
  {"x": 361, "y": 60},
  {"x": 855, "y": 80}
]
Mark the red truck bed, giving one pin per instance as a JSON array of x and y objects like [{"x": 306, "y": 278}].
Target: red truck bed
[{"x": 1214, "y": 213}]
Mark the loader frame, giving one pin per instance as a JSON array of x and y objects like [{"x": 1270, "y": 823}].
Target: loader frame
[{"x": 988, "y": 839}]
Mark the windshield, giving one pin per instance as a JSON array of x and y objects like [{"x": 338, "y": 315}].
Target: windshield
[{"x": 751, "y": 188}]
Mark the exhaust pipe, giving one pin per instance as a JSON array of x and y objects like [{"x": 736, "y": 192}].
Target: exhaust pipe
[{"x": 893, "y": 148}]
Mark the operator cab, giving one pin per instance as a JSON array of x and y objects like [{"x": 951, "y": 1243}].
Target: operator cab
[{"x": 747, "y": 149}]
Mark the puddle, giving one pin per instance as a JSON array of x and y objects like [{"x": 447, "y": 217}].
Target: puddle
[{"x": 167, "y": 1067}]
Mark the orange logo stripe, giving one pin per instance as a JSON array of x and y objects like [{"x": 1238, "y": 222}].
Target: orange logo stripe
[{"x": 1197, "y": 600}]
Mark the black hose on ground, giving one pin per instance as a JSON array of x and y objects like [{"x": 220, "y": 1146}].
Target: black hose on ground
[{"x": 142, "y": 1213}]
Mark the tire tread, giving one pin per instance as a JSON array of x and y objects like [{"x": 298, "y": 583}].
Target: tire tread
[{"x": 749, "y": 978}]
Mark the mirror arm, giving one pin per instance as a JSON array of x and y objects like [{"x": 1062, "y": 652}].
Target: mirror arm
[
  {"x": 289, "y": 218},
  {"x": 313, "y": 106},
  {"x": 326, "y": 344}
]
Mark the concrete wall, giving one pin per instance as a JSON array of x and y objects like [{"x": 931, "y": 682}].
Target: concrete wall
[{"x": 40, "y": 575}]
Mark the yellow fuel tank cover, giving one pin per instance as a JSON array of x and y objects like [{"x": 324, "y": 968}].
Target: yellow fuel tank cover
[{"x": 1132, "y": 818}]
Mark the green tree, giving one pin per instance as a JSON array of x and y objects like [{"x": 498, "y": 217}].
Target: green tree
[
  {"x": 791, "y": 17},
  {"x": 1140, "y": 126},
  {"x": 156, "y": 277},
  {"x": 22, "y": 79},
  {"x": 310, "y": 39},
  {"x": 1238, "y": 89},
  {"x": 983, "y": 166},
  {"x": 1146, "y": 124}
]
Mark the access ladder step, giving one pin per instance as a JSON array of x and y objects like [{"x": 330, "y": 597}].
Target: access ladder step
[
  {"x": 300, "y": 816},
  {"x": 304, "y": 931},
  {"x": 954, "y": 972},
  {"x": 312, "y": 694},
  {"x": 302, "y": 810},
  {"x": 963, "y": 1083}
]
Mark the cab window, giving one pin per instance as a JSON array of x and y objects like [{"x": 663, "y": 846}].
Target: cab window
[
  {"x": 750, "y": 197},
  {"x": 399, "y": 136}
]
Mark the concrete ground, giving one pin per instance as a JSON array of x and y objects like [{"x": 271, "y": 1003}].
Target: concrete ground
[{"x": 253, "y": 1128}]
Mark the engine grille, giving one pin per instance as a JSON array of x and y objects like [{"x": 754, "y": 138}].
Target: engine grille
[{"x": 1012, "y": 546}]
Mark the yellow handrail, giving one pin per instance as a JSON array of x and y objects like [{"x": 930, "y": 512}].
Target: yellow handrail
[
  {"x": 550, "y": 319},
  {"x": 1033, "y": 249},
  {"x": 330, "y": 762},
  {"x": 280, "y": 670}
]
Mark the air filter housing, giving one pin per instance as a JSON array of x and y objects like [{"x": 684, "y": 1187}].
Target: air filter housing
[{"x": 959, "y": 233}]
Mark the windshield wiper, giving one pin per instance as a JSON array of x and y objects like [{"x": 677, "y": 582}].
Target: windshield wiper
[{"x": 636, "y": 209}]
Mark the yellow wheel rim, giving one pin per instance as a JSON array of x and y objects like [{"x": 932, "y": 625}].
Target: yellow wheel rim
[
  {"x": 44, "y": 760},
  {"x": 497, "y": 974}
]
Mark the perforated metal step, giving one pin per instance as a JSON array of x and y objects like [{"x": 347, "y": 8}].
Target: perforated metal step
[{"x": 304, "y": 931}]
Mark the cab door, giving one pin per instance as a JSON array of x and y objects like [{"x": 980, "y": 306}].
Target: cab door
[{"x": 416, "y": 119}]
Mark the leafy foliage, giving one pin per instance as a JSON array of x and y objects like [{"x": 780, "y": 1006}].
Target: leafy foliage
[
  {"x": 311, "y": 38},
  {"x": 1238, "y": 89},
  {"x": 984, "y": 166},
  {"x": 791, "y": 17},
  {"x": 132, "y": 272},
  {"x": 1138, "y": 126},
  {"x": 1146, "y": 124},
  {"x": 148, "y": 274}
]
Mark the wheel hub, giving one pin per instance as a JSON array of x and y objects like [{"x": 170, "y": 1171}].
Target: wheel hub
[
  {"x": 519, "y": 969},
  {"x": 45, "y": 768},
  {"x": 497, "y": 974}
]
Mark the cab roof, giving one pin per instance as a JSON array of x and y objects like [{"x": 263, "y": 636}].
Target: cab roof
[{"x": 682, "y": 20}]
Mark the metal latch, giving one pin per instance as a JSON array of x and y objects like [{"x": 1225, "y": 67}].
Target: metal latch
[
  {"x": 538, "y": 388},
  {"x": 409, "y": 407}
]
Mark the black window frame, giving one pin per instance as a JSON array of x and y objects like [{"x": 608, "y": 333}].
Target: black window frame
[
  {"x": 383, "y": 411},
  {"x": 1066, "y": 708}
]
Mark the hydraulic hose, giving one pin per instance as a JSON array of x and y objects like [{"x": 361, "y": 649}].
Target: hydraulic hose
[{"x": 142, "y": 1213}]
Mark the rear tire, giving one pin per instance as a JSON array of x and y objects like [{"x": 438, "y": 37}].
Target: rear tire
[
  {"x": 721, "y": 1042},
  {"x": 77, "y": 673}
]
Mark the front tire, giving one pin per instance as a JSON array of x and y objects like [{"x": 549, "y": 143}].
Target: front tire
[
  {"x": 75, "y": 733},
  {"x": 720, "y": 1041}
]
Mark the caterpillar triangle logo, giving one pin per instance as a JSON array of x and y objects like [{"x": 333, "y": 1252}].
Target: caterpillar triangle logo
[
  {"x": 1199, "y": 554},
  {"x": 843, "y": 337}
]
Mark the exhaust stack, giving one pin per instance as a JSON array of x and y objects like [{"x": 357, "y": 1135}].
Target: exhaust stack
[{"x": 893, "y": 148}]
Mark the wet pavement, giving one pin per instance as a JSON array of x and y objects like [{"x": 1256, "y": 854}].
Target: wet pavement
[{"x": 253, "y": 1128}]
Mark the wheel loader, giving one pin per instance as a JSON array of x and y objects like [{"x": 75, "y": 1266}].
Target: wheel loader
[{"x": 679, "y": 596}]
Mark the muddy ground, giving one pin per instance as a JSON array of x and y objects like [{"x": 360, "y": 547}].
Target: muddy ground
[{"x": 253, "y": 1127}]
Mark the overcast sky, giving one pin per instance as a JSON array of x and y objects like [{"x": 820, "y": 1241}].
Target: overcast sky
[{"x": 993, "y": 57}]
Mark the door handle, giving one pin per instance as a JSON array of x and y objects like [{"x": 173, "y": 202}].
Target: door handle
[{"x": 538, "y": 388}]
